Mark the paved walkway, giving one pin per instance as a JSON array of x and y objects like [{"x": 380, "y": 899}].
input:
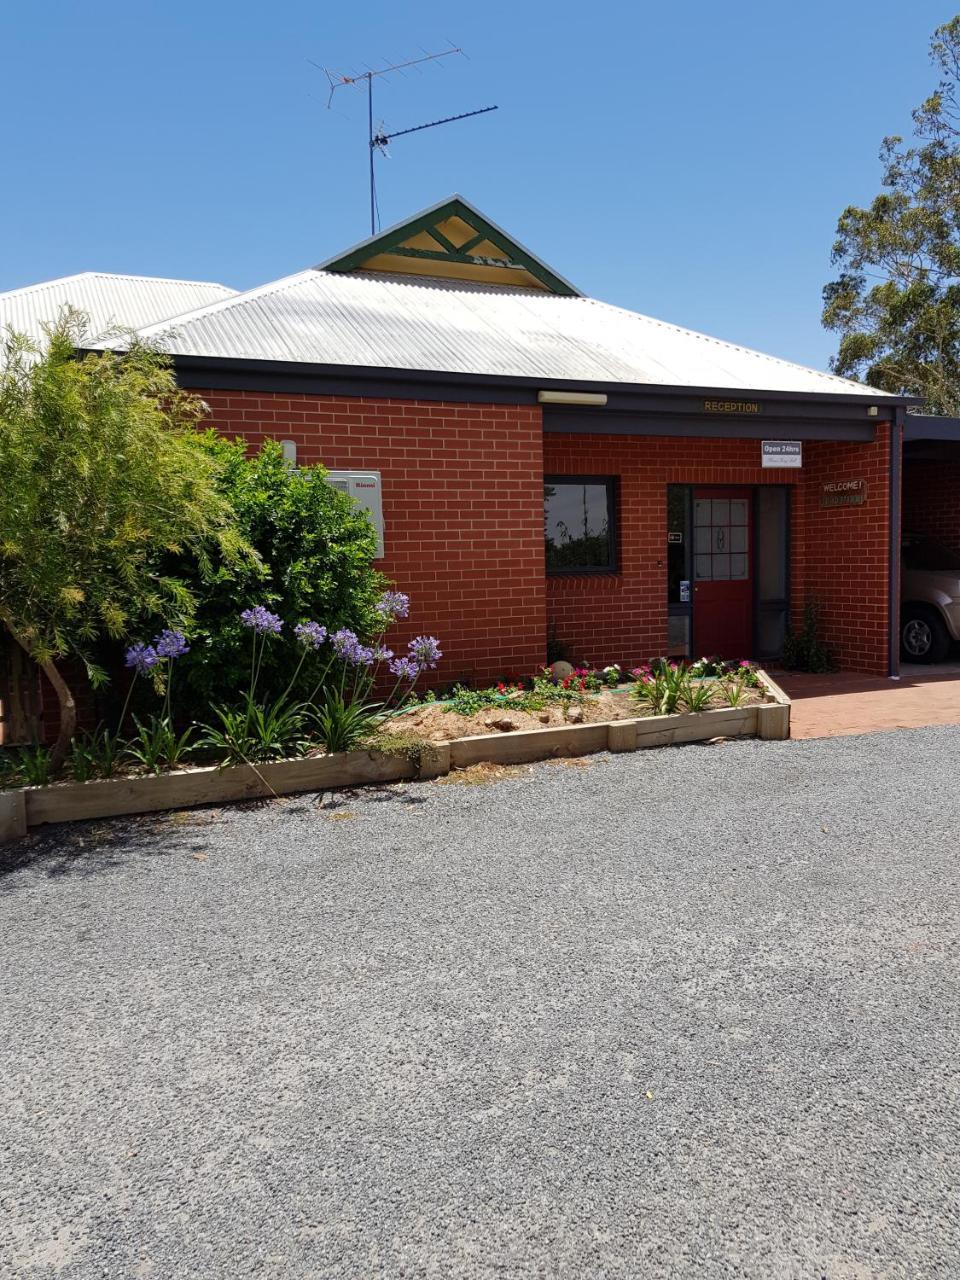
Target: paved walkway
[{"x": 835, "y": 705}]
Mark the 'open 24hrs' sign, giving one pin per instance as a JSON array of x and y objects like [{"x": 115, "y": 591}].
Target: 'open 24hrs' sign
[{"x": 782, "y": 453}]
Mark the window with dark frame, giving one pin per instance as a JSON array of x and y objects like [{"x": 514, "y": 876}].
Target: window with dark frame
[{"x": 580, "y": 524}]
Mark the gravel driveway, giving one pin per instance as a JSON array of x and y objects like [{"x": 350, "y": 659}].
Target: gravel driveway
[{"x": 690, "y": 1012}]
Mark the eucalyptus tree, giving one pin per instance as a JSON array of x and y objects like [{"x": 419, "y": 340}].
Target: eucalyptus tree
[{"x": 896, "y": 300}]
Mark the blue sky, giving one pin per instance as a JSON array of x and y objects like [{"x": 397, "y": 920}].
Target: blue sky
[{"x": 688, "y": 161}]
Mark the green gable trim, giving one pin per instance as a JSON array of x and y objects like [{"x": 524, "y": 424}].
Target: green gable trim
[{"x": 392, "y": 242}]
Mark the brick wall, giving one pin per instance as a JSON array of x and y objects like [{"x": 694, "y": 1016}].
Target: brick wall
[
  {"x": 623, "y": 617},
  {"x": 931, "y": 499},
  {"x": 462, "y": 504},
  {"x": 845, "y": 551},
  {"x": 837, "y": 555}
]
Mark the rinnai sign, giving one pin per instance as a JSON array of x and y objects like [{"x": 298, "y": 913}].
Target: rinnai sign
[
  {"x": 782, "y": 453},
  {"x": 843, "y": 493}
]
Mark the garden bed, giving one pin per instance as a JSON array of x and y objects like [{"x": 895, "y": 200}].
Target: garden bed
[
  {"x": 441, "y": 722},
  {"x": 766, "y": 716}
]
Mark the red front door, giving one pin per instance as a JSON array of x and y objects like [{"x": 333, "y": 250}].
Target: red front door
[{"x": 722, "y": 573}]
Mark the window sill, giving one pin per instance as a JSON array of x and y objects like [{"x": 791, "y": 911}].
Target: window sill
[{"x": 585, "y": 577}]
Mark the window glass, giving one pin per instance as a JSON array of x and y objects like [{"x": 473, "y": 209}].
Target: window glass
[{"x": 578, "y": 525}]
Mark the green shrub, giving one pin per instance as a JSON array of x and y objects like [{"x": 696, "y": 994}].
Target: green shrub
[
  {"x": 103, "y": 478},
  {"x": 316, "y": 550},
  {"x": 803, "y": 650}
]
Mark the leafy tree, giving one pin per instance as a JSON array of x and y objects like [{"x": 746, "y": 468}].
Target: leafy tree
[
  {"x": 896, "y": 302},
  {"x": 315, "y": 552},
  {"x": 102, "y": 472}
]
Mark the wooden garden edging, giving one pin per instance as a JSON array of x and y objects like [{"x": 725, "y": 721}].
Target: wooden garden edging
[{"x": 74, "y": 801}]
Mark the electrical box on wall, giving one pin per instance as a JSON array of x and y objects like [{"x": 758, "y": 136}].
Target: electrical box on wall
[{"x": 365, "y": 488}]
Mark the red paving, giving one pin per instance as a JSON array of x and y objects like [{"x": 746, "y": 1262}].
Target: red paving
[{"x": 833, "y": 705}]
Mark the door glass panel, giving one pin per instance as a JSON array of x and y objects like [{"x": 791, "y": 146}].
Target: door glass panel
[
  {"x": 771, "y": 543},
  {"x": 721, "y": 547},
  {"x": 771, "y": 632},
  {"x": 678, "y": 544},
  {"x": 678, "y": 635}
]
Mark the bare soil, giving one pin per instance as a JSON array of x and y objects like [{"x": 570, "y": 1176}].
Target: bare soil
[{"x": 439, "y": 723}]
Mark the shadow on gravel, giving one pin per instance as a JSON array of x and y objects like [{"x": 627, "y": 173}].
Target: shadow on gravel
[
  {"x": 91, "y": 848},
  {"x": 103, "y": 845}
]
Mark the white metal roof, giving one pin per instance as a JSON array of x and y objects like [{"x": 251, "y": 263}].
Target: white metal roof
[
  {"x": 110, "y": 301},
  {"x": 392, "y": 322}
]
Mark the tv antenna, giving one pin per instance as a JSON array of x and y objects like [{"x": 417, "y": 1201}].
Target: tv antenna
[{"x": 378, "y": 139}]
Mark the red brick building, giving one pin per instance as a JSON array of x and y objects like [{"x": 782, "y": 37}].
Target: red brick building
[
  {"x": 495, "y": 404},
  {"x": 552, "y": 473}
]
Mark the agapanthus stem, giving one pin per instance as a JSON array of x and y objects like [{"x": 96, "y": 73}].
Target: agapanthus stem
[
  {"x": 293, "y": 679},
  {"x": 126, "y": 704}
]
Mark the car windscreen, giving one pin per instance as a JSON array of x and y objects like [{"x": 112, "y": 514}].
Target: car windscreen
[{"x": 931, "y": 555}]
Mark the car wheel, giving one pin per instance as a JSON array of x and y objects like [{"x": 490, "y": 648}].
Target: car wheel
[{"x": 923, "y": 637}]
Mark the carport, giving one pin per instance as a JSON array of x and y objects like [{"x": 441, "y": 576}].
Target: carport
[{"x": 930, "y": 512}]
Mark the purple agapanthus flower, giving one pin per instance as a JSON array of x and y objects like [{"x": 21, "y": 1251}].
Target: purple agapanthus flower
[
  {"x": 392, "y": 605},
  {"x": 347, "y": 646},
  {"x": 425, "y": 650},
  {"x": 345, "y": 643},
  {"x": 380, "y": 654},
  {"x": 142, "y": 657},
  {"x": 405, "y": 669},
  {"x": 171, "y": 644},
  {"x": 310, "y": 634},
  {"x": 261, "y": 620}
]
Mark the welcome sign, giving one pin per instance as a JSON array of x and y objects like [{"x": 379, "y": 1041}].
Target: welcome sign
[{"x": 843, "y": 493}]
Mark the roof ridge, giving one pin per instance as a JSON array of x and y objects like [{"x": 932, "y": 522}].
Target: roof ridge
[
  {"x": 240, "y": 298},
  {"x": 109, "y": 275}
]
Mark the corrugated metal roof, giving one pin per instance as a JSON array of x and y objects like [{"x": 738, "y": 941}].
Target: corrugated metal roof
[
  {"x": 386, "y": 321},
  {"x": 110, "y": 301}
]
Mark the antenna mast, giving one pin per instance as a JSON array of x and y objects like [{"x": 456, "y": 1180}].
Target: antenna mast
[{"x": 378, "y": 139}]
